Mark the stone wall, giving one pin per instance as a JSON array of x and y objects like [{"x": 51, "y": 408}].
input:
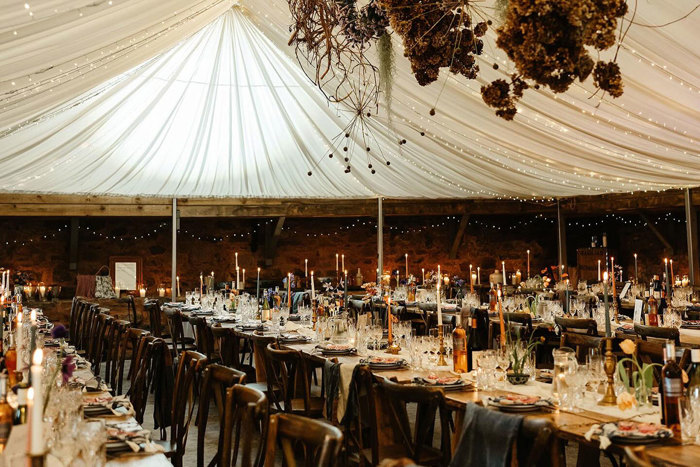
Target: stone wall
[{"x": 39, "y": 247}]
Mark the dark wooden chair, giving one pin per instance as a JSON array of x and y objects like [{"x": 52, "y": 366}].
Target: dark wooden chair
[
  {"x": 87, "y": 321},
  {"x": 579, "y": 325},
  {"x": 288, "y": 371},
  {"x": 230, "y": 350},
  {"x": 101, "y": 323},
  {"x": 692, "y": 315},
  {"x": 155, "y": 320},
  {"x": 321, "y": 441},
  {"x": 73, "y": 319},
  {"x": 190, "y": 365},
  {"x": 147, "y": 351},
  {"x": 538, "y": 444},
  {"x": 580, "y": 343},
  {"x": 216, "y": 380},
  {"x": 114, "y": 337},
  {"x": 76, "y": 330},
  {"x": 416, "y": 444},
  {"x": 245, "y": 416},
  {"x": 657, "y": 332},
  {"x": 261, "y": 362},
  {"x": 128, "y": 346},
  {"x": 179, "y": 342},
  {"x": 204, "y": 338}
]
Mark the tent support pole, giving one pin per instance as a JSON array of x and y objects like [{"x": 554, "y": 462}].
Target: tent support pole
[
  {"x": 691, "y": 228},
  {"x": 561, "y": 237},
  {"x": 380, "y": 241},
  {"x": 173, "y": 267}
]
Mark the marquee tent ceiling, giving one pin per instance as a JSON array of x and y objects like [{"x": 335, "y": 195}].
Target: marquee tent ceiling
[{"x": 182, "y": 98}]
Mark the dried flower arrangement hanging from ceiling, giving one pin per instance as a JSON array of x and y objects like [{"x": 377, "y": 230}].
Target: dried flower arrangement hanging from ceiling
[
  {"x": 439, "y": 34},
  {"x": 547, "y": 40}
]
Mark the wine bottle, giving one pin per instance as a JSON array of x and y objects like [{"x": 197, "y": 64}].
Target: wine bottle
[
  {"x": 459, "y": 346},
  {"x": 653, "y": 318},
  {"x": 20, "y": 415},
  {"x": 11, "y": 361},
  {"x": 672, "y": 382},
  {"x": 6, "y": 414}
]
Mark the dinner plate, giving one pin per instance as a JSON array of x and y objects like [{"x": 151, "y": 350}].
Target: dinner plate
[
  {"x": 456, "y": 386},
  {"x": 517, "y": 407},
  {"x": 378, "y": 365},
  {"x": 612, "y": 431},
  {"x": 341, "y": 351}
]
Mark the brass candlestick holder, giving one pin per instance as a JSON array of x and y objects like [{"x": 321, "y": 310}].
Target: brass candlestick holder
[
  {"x": 609, "y": 365},
  {"x": 441, "y": 336}
]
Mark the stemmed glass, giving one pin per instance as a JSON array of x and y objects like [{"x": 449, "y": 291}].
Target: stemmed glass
[{"x": 596, "y": 372}]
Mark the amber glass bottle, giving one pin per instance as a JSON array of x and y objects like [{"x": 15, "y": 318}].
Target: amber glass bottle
[
  {"x": 6, "y": 413},
  {"x": 459, "y": 347}
]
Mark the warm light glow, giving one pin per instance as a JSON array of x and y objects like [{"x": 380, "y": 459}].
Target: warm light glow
[
  {"x": 666, "y": 260},
  {"x": 32, "y": 316},
  {"x": 30, "y": 396},
  {"x": 605, "y": 276},
  {"x": 635, "y": 256},
  {"x": 258, "y": 269},
  {"x": 38, "y": 357}
]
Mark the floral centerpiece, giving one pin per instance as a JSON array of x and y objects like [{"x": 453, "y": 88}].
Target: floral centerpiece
[
  {"x": 640, "y": 384},
  {"x": 370, "y": 289}
]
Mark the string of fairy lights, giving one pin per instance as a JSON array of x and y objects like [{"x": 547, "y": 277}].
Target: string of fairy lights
[{"x": 482, "y": 223}]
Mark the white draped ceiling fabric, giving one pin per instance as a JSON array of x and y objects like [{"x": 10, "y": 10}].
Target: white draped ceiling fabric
[{"x": 185, "y": 98}]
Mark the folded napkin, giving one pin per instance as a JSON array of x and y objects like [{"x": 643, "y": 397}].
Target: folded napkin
[
  {"x": 289, "y": 326},
  {"x": 487, "y": 438},
  {"x": 306, "y": 332},
  {"x": 604, "y": 440}
]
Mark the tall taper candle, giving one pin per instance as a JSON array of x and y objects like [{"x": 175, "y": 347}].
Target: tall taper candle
[
  {"x": 608, "y": 332},
  {"x": 342, "y": 262},
  {"x": 478, "y": 275},
  {"x": 668, "y": 282},
  {"x": 599, "y": 270},
  {"x": 528, "y": 264},
  {"x": 636, "y": 273},
  {"x": 306, "y": 268},
  {"x": 177, "y": 280},
  {"x": 471, "y": 279},
  {"x": 32, "y": 331},
  {"x": 313, "y": 288},
  {"x": 423, "y": 272},
  {"x": 406, "y": 257},
  {"x": 500, "y": 318},
  {"x": 438, "y": 299},
  {"x": 503, "y": 266},
  {"x": 289, "y": 291},
  {"x": 236, "y": 260},
  {"x": 238, "y": 279},
  {"x": 257, "y": 288},
  {"x": 201, "y": 285},
  {"x": 244, "y": 278},
  {"x": 673, "y": 281},
  {"x": 345, "y": 292},
  {"x": 36, "y": 414}
]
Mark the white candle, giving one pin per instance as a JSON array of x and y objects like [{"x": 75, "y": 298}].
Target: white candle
[
  {"x": 528, "y": 264},
  {"x": 342, "y": 264},
  {"x": 599, "y": 269},
  {"x": 42, "y": 291},
  {"x": 36, "y": 413},
  {"x": 313, "y": 289},
  {"x": 19, "y": 341},
  {"x": 142, "y": 292},
  {"x": 177, "y": 279},
  {"x": 471, "y": 281},
  {"x": 636, "y": 274},
  {"x": 161, "y": 292},
  {"x": 406, "y": 256},
  {"x": 201, "y": 284},
  {"x": 503, "y": 266},
  {"x": 117, "y": 290},
  {"x": 36, "y": 435},
  {"x": 423, "y": 272},
  {"x": 244, "y": 278},
  {"x": 439, "y": 310},
  {"x": 238, "y": 278},
  {"x": 478, "y": 275},
  {"x": 306, "y": 268},
  {"x": 336, "y": 264},
  {"x": 236, "y": 260}
]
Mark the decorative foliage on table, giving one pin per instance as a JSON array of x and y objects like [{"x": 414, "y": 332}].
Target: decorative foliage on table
[
  {"x": 642, "y": 377},
  {"x": 518, "y": 354},
  {"x": 437, "y": 35},
  {"x": 547, "y": 40}
]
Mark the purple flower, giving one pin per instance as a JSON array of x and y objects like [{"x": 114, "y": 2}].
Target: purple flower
[
  {"x": 59, "y": 332},
  {"x": 67, "y": 368}
]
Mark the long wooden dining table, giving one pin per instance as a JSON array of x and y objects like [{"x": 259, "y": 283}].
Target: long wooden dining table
[
  {"x": 572, "y": 426},
  {"x": 15, "y": 451}
]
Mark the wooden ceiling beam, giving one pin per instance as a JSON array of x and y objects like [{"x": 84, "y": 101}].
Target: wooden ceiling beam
[{"x": 88, "y": 205}]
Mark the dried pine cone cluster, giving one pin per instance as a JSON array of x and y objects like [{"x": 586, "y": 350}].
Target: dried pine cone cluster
[
  {"x": 436, "y": 35},
  {"x": 547, "y": 39}
]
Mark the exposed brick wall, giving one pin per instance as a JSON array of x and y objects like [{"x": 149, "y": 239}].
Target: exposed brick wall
[{"x": 505, "y": 238}]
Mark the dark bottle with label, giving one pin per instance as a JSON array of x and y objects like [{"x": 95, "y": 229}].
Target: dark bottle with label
[{"x": 671, "y": 391}]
